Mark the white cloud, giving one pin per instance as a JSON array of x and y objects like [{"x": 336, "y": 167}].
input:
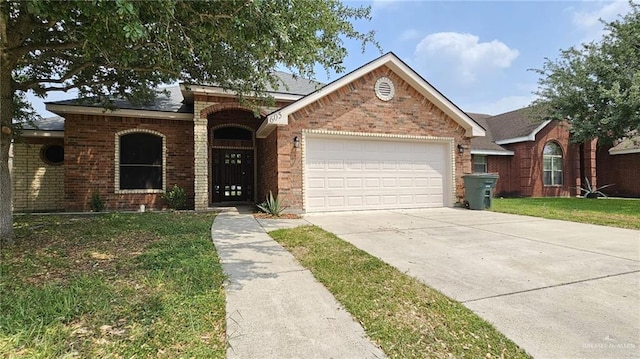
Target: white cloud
[
  {"x": 464, "y": 54},
  {"x": 589, "y": 21},
  {"x": 501, "y": 105},
  {"x": 410, "y": 34}
]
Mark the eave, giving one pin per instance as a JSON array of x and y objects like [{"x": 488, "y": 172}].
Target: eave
[
  {"x": 492, "y": 153},
  {"x": 100, "y": 111}
]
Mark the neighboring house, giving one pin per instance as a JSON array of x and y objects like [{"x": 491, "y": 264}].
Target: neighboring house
[
  {"x": 534, "y": 157},
  {"x": 380, "y": 137}
]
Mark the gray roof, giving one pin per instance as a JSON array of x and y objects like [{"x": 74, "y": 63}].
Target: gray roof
[
  {"x": 514, "y": 124},
  {"x": 486, "y": 143},
  {"x": 295, "y": 85},
  {"x": 55, "y": 123},
  {"x": 174, "y": 100},
  {"x": 627, "y": 144},
  {"x": 162, "y": 103}
]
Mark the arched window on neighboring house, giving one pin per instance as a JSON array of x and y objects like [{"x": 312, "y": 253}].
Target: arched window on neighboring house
[
  {"x": 552, "y": 164},
  {"x": 140, "y": 161}
]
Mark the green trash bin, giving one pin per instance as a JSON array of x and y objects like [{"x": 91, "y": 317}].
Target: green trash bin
[{"x": 478, "y": 189}]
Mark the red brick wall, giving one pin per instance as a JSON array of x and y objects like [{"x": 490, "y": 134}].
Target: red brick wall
[
  {"x": 355, "y": 108},
  {"x": 90, "y": 160},
  {"x": 502, "y": 166},
  {"x": 623, "y": 171},
  {"x": 523, "y": 176},
  {"x": 221, "y": 111},
  {"x": 267, "y": 166}
]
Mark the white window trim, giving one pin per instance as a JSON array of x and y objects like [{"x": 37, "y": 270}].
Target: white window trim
[
  {"x": 117, "y": 162},
  {"x": 554, "y": 160},
  {"x": 484, "y": 163}
]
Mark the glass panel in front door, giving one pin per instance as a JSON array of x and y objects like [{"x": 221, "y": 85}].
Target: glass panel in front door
[{"x": 233, "y": 176}]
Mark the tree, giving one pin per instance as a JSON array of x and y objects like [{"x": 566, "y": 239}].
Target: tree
[
  {"x": 127, "y": 48},
  {"x": 596, "y": 86}
]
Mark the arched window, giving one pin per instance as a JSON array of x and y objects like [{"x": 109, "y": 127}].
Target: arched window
[
  {"x": 552, "y": 164},
  {"x": 140, "y": 161}
]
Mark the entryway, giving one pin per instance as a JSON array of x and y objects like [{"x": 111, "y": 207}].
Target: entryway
[
  {"x": 232, "y": 175},
  {"x": 232, "y": 164}
]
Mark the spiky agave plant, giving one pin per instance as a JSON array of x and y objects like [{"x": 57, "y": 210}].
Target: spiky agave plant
[
  {"x": 593, "y": 191},
  {"x": 272, "y": 205}
]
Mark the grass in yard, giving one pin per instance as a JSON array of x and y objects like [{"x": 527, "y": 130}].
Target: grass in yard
[
  {"x": 406, "y": 318},
  {"x": 613, "y": 212},
  {"x": 112, "y": 285}
]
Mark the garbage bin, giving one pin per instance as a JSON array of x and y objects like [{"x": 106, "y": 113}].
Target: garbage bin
[{"x": 478, "y": 189}]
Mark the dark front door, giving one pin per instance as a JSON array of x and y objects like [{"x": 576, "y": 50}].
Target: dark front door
[{"x": 232, "y": 175}]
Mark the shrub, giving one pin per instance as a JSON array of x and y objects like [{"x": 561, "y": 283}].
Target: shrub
[
  {"x": 272, "y": 206},
  {"x": 176, "y": 198},
  {"x": 97, "y": 203}
]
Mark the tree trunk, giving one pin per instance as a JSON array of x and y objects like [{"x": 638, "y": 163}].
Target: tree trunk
[{"x": 6, "y": 135}]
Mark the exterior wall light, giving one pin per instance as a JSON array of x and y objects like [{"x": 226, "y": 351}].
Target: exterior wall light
[
  {"x": 460, "y": 148},
  {"x": 296, "y": 142}
]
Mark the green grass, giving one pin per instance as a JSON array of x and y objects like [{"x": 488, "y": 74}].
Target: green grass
[
  {"x": 613, "y": 212},
  {"x": 112, "y": 285},
  {"x": 403, "y": 316}
]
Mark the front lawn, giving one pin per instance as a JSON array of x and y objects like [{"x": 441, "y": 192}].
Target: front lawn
[
  {"x": 405, "y": 317},
  {"x": 112, "y": 285},
  {"x": 614, "y": 212}
]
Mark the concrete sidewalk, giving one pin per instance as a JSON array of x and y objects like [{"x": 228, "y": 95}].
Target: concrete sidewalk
[{"x": 275, "y": 307}]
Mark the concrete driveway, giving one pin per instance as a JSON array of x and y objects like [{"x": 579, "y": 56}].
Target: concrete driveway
[{"x": 558, "y": 289}]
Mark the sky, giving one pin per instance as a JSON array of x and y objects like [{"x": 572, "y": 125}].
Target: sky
[{"x": 479, "y": 54}]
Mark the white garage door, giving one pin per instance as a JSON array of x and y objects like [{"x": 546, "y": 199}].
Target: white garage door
[{"x": 351, "y": 173}]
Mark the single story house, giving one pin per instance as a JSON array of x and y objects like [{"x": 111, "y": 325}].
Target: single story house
[
  {"x": 379, "y": 137},
  {"x": 535, "y": 158}
]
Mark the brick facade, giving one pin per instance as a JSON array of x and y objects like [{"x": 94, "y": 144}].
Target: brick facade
[
  {"x": 622, "y": 170},
  {"x": 521, "y": 174},
  {"x": 216, "y": 111},
  {"x": 355, "y": 108},
  {"x": 37, "y": 185},
  {"x": 90, "y": 150}
]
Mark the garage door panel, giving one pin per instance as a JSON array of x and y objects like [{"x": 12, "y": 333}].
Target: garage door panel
[
  {"x": 356, "y": 173},
  {"x": 334, "y": 183},
  {"x": 372, "y": 200},
  {"x": 389, "y": 182},
  {"x": 336, "y": 201},
  {"x": 372, "y": 182},
  {"x": 316, "y": 183}
]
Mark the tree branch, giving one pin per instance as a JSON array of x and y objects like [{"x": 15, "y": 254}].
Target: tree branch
[
  {"x": 33, "y": 84},
  {"x": 21, "y": 50}
]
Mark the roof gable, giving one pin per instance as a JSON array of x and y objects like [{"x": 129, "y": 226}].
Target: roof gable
[
  {"x": 281, "y": 116},
  {"x": 517, "y": 126}
]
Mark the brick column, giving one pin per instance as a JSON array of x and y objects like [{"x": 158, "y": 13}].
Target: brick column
[{"x": 201, "y": 162}]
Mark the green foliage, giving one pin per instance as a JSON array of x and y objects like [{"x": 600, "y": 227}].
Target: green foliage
[
  {"x": 114, "y": 285},
  {"x": 272, "y": 206},
  {"x": 176, "y": 198},
  {"x": 127, "y": 48},
  {"x": 405, "y": 317},
  {"x": 97, "y": 203},
  {"x": 596, "y": 86}
]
